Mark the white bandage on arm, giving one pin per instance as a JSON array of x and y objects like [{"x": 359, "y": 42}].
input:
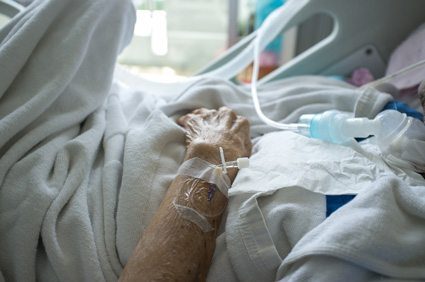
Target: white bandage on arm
[
  {"x": 208, "y": 172},
  {"x": 202, "y": 199},
  {"x": 195, "y": 195}
]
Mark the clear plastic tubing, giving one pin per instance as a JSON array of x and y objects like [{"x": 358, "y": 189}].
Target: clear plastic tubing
[
  {"x": 269, "y": 29},
  {"x": 331, "y": 126}
]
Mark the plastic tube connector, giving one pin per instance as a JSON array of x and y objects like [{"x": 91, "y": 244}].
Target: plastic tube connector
[
  {"x": 398, "y": 136},
  {"x": 339, "y": 127},
  {"x": 242, "y": 163},
  {"x": 239, "y": 163}
]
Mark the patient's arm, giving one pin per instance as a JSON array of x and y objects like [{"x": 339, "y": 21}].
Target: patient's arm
[{"x": 173, "y": 248}]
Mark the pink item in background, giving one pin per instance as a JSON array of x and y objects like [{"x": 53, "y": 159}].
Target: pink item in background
[
  {"x": 360, "y": 77},
  {"x": 268, "y": 59}
]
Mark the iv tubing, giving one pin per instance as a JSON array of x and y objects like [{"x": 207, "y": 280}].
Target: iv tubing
[
  {"x": 394, "y": 75},
  {"x": 295, "y": 127},
  {"x": 263, "y": 32},
  {"x": 277, "y": 20}
]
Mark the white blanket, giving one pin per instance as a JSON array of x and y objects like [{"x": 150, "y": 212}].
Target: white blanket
[
  {"x": 378, "y": 236},
  {"x": 85, "y": 162},
  {"x": 277, "y": 227}
]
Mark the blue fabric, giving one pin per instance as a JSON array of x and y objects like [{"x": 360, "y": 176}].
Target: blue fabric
[
  {"x": 334, "y": 202},
  {"x": 403, "y": 108}
]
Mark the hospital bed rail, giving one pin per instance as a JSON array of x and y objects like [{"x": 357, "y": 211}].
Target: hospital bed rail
[
  {"x": 364, "y": 35},
  {"x": 10, "y": 8}
]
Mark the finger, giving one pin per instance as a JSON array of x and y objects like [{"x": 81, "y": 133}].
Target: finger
[
  {"x": 198, "y": 111},
  {"x": 241, "y": 124},
  {"x": 204, "y": 111},
  {"x": 207, "y": 114},
  {"x": 227, "y": 116},
  {"x": 184, "y": 120}
]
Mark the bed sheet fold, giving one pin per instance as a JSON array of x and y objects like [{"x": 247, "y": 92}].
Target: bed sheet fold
[{"x": 86, "y": 157}]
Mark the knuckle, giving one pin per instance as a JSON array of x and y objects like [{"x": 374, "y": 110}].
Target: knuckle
[
  {"x": 224, "y": 109},
  {"x": 181, "y": 120},
  {"x": 245, "y": 121}
]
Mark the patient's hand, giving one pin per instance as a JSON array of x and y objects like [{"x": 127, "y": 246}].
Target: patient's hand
[
  {"x": 206, "y": 130},
  {"x": 173, "y": 248}
]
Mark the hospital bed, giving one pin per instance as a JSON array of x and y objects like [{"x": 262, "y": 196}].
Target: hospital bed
[
  {"x": 7, "y": 10},
  {"x": 10, "y": 8},
  {"x": 362, "y": 36}
]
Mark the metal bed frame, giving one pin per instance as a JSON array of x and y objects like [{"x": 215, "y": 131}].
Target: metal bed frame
[{"x": 10, "y": 8}]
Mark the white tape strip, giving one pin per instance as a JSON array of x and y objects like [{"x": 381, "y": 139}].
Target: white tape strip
[
  {"x": 194, "y": 216},
  {"x": 210, "y": 173}
]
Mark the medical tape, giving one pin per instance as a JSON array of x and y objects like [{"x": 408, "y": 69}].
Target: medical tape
[
  {"x": 208, "y": 172},
  {"x": 194, "y": 216},
  {"x": 214, "y": 176}
]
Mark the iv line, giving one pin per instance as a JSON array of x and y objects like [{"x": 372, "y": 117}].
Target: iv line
[
  {"x": 301, "y": 127},
  {"x": 295, "y": 127},
  {"x": 394, "y": 75}
]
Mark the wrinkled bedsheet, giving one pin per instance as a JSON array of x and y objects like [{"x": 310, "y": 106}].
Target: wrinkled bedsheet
[{"x": 87, "y": 153}]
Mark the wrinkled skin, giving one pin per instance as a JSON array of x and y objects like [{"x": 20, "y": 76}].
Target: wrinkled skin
[
  {"x": 207, "y": 130},
  {"x": 221, "y": 128},
  {"x": 173, "y": 248}
]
